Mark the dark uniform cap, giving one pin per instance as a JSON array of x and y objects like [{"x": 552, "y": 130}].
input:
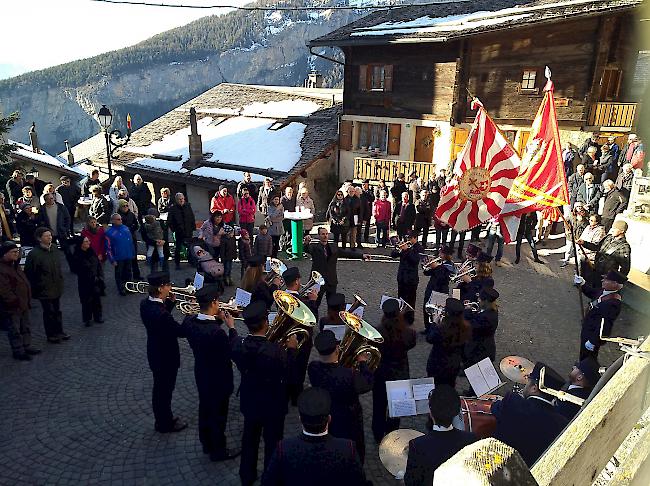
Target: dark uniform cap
[
  {"x": 589, "y": 367},
  {"x": 6, "y": 247},
  {"x": 325, "y": 342},
  {"x": 444, "y": 402},
  {"x": 473, "y": 250},
  {"x": 487, "y": 283},
  {"x": 291, "y": 274},
  {"x": 489, "y": 294},
  {"x": 454, "y": 306},
  {"x": 256, "y": 260},
  {"x": 484, "y": 258},
  {"x": 314, "y": 404},
  {"x": 552, "y": 379},
  {"x": 446, "y": 250},
  {"x": 615, "y": 276},
  {"x": 207, "y": 294},
  {"x": 254, "y": 312},
  {"x": 390, "y": 307},
  {"x": 336, "y": 301},
  {"x": 158, "y": 279}
]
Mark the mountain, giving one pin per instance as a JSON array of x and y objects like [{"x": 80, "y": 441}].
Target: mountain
[{"x": 150, "y": 78}]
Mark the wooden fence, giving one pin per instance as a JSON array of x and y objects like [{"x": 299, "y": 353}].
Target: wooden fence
[
  {"x": 615, "y": 115},
  {"x": 387, "y": 170}
]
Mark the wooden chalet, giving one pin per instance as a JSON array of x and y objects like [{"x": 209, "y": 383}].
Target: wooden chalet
[{"x": 409, "y": 73}]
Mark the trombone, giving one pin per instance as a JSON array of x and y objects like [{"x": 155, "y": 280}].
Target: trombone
[{"x": 182, "y": 294}]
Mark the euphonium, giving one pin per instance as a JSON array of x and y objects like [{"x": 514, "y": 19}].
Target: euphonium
[
  {"x": 277, "y": 269},
  {"x": 294, "y": 318},
  {"x": 357, "y": 341},
  {"x": 315, "y": 279}
]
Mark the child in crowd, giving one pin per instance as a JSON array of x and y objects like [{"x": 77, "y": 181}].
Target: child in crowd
[
  {"x": 228, "y": 251},
  {"x": 263, "y": 245},
  {"x": 244, "y": 250},
  {"x": 155, "y": 239}
]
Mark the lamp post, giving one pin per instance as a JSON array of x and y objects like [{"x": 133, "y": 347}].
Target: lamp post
[{"x": 114, "y": 139}]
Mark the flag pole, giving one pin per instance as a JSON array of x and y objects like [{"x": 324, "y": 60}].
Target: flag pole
[{"x": 575, "y": 259}]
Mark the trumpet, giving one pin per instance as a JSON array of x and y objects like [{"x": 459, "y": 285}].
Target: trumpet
[
  {"x": 277, "y": 269},
  {"x": 427, "y": 261},
  {"x": 315, "y": 279},
  {"x": 358, "y": 302},
  {"x": 459, "y": 276},
  {"x": 472, "y": 306}
]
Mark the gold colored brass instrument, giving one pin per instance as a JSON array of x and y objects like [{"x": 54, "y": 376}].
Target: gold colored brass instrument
[
  {"x": 358, "y": 302},
  {"x": 315, "y": 279},
  {"x": 294, "y": 318},
  {"x": 192, "y": 308},
  {"x": 359, "y": 338},
  {"x": 277, "y": 269}
]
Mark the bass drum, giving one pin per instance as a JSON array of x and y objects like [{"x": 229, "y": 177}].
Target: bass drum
[{"x": 475, "y": 416}]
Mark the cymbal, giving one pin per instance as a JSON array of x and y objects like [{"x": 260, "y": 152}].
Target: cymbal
[
  {"x": 394, "y": 449},
  {"x": 516, "y": 368}
]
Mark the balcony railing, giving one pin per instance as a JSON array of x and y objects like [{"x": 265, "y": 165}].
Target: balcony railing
[
  {"x": 612, "y": 114},
  {"x": 387, "y": 170}
]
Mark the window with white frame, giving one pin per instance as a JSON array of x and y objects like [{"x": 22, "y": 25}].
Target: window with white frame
[{"x": 529, "y": 80}]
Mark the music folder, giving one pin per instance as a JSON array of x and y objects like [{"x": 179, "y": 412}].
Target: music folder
[{"x": 408, "y": 398}]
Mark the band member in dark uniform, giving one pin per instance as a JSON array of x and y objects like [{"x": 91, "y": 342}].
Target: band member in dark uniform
[
  {"x": 529, "y": 422},
  {"x": 212, "y": 369},
  {"x": 605, "y": 304},
  {"x": 408, "y": 272},
  {"x": 324, "y": 257},
  {"x": 335, "y": 304},
  {"x": 264, "y": 367},
  {"x": 162, "y": 349},
  {"x": 582, "y": 380},
  {"x": 439, "y": 275},
  {"x": 314, "y": 458},
  {"x": 448, "y": 339},
  {"x": 394, "y": 365},
  {"x": 344, "y": 386},
  {"x": 484, "y": 324},
  {"x": 428, "y": 452},
  {"x": 262, "y": 289},
  {"x": 291, "y": 277}
]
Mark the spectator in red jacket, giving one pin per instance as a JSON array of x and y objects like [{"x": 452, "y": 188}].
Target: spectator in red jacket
[
  {"x": 224, "y": 202},
  {"x": 95, "y": 233},
  {"x": 382, "y": 211},
  {"x": 246, "y": 209}
]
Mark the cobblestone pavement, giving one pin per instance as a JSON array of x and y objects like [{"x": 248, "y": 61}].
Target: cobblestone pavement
[{"x": 80, "y": 412}]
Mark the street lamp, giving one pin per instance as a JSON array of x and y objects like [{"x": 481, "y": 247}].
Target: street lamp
[{"x": 114, "y": 139}]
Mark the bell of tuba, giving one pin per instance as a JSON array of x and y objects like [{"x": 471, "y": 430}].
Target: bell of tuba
[
  {"x": 359, "y": 338},
  {"x": 315, "y": 279},
  {"x": 294, "y": 318}
]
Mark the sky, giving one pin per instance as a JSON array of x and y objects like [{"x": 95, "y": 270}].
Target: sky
[{"x": 50, "y": 32}]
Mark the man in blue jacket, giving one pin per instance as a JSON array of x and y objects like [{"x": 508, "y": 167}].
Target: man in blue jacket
[{"x": 120, "y": 252}]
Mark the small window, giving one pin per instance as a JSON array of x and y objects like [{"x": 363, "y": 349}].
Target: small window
[
  {"x": 377, "y": 77},
  {"x": 528, "y": 80},
  {"x": 373, "y": 135}
]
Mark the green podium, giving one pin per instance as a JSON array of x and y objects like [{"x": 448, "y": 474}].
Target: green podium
[{"x": 297, "y": 218}]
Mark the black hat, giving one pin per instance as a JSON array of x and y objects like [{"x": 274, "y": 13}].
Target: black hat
[
  {"x": 489, "y": 294},
  {"x": 254, "y": 312},
  {"x": 290, "y": 275},
  {"x": 390, "y": 307},
  {"x": 473, "y": 250},
  {"x": 325, "y": 342},
  {"x": 552, "y": 379},
  {"x": 413, "y": 234},
  {"x": 444, "y": 403},
  {"x": 487, "y": 283},
  {"x": 454, "y": 306},
  {"x": 336, "y": 301},
  {"x": 484, "y": 258},
  {"x": 6, "y": 247},
  {"x": 314, "y": 405},
  {"x": 615, "y": 276},
  {"x": 207, "y": 294},
  {"x": 158, "y": 279},
  {"x": 256, "y": 260},
  {"x": 446, "y": 250},
  {"x": 589, "y": 367}
]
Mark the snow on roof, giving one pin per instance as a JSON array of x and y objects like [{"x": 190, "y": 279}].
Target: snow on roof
[
  {"x": 174, "y": 166},
  {"x": 281, "y": 109},
  {"x": 240, "y": 141},
  {"x": 44, "y": 158}
]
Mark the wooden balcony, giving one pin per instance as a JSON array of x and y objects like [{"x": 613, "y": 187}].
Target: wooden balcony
[
  {"x": 387, "y": 170},
  {"x": 612, "y": 115}
]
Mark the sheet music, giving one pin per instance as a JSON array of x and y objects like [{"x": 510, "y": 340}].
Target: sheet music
[
  {"x": 357, "y": 312},
  {"x": 338, "y": 330},
  {"x": 242, "y": 298},
  {"x": 421, "y": 392},
  {"x": 272, "y": 316},
  {"x": 455, "y": 293},
  {"x": 483, "y": 377},
  {"x": 404, "y": 408},
  {"x": 490, "y": 374},
  {"x": 414, "y": 391},
  {"x": 198, "y": 281},
  {"x": 267, "y": 267}
]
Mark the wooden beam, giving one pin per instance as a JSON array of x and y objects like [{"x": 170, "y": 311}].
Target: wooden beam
[{"x": 242, "y": 168}]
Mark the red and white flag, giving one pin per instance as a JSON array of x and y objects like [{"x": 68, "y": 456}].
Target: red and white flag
[
  {"x": 541, "y": 183},
  {"x": 483, "y": 175}
]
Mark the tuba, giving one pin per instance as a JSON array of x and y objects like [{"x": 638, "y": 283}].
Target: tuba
[
  {"x": 358, "y": 339},
  {"x": 294, "y": 318},
  {"x": 315, "y": 279}
]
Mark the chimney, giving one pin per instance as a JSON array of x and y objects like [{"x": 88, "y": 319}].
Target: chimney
[
  {"x": 70, "y": 154},
  {"x": 33, "y": 139},
  {"x": 315, "y": 80},
  {"x": 196, "y": 146}
]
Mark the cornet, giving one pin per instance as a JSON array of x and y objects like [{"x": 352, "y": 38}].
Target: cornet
[{"x": 427, "y": 261}]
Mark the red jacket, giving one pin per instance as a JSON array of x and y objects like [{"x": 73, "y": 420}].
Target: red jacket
[
  {"x": 381, "y": 211},
  {"x": 224, "y": 204},
  {"x": 247, "y": 208},
  {"x": 97, "y": 241}
]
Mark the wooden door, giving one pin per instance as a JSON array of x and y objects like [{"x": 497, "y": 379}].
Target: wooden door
[
  {"x": 424, "y": 141},
  {"x": 610, "y": 84},
  {"x": 460, "y": 137}
]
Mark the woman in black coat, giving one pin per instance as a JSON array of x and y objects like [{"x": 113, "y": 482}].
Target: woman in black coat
[
  {"x": 484, "y": 325},
  {"x": 408, "y": 272},
  {"x": 26, "y": 223},
  {"x": 394, "y": 365},
  {"x": 89, "y": 281},
  {"x": 337, "y": 214}
]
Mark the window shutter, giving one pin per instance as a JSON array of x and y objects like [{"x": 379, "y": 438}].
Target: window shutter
[
  {"x": 394, "y": 132},
  {"x": 363, "y": 76},
  {"x": 388, "y": 77},
  {"x": 345, "y": 135}
]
